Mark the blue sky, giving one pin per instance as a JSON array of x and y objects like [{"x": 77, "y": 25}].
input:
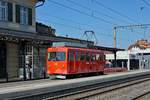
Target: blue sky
[{"x": 73, "y": 17}]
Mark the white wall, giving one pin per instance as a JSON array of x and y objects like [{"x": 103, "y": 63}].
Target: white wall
[{"x": 120, "y": 55}]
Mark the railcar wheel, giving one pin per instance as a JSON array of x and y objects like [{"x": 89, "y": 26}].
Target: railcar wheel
[{"x": 101, "y": 73}]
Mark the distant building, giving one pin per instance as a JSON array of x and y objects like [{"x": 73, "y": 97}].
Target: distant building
[
  {"x": 125, "y": 59},
  {"x": 136, "y": 57},
  {"x": 140, "y": 45}
]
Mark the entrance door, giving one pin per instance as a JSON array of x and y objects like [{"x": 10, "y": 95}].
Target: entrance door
[
  {"x": 2, "y": 60},
  {"x": 71, "y": 61}
]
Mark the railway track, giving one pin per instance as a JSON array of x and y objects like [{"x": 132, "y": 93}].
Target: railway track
[
  {"x": 100, "y": 92},
  {"x": 144, "y": 96},
  {"x": 91, "y": 91}
]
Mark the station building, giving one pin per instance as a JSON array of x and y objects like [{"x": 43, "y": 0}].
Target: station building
[
  {"x": 17, "y": 37},
  {"x": 23, "y": 42}
]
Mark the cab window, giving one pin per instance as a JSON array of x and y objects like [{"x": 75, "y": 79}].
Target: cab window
[{"x": 56, "y": 56}]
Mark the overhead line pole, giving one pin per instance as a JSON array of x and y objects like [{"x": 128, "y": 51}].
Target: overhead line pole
[
  {"x": 135, "y": 26},
  {"x": 115, "y": 32},
  {"x": 127, "y": 26}
]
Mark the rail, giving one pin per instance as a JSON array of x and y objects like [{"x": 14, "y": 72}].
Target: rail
[
  {"x": 81, "y": 92},
  {"x": 142, "y": 96}
]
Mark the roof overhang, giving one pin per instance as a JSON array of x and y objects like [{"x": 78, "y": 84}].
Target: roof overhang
[
  {"x": 109, "y": 48},
  {"x": 28, "y": 36}
]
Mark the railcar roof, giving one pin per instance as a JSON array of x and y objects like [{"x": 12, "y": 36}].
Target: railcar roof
[{"x": 77, "y": 48}]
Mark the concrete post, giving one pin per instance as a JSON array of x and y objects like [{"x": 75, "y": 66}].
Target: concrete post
[
  {"x": 128, "y": 67},
  {"x": 115, "y": 58}
]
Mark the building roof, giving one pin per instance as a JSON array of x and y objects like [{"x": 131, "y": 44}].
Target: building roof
[
  {"x": 43, "y": 29},
  {"x": 141, "y": 44}
]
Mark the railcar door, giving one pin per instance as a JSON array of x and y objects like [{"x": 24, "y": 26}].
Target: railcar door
[
  {"x": 101, "y": 61},
  {"x": 88, "y": 63},
  {"x": 78, "y": 62},
  {"x": 71, "y": 61},
  {"x": 83, "y": 67},
  {"x": 2, "y": 60}
]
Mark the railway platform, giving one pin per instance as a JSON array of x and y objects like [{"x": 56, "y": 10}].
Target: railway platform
[{"x": 21, "y": 89}]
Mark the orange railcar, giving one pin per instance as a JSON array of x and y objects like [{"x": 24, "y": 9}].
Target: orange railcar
[{"x": 71, "y": 61}]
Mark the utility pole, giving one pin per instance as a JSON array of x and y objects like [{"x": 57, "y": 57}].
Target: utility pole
[{"x": 115, "y": 32}]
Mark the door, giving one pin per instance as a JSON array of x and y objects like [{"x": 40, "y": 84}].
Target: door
[
  {"x": 78, "y": 62},
  {"x": 2, "y": 60},
  {"x": 88, "y": 63},
  {"x": 71, "y": 62}
]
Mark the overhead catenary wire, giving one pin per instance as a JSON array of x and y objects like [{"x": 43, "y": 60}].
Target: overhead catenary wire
[
  {"x": 96, "y": 11},
  {"x": 146, "y": 2},
  {"x": 71, "y": 26},
  {"x": 75, "y": 22},
  {"x": 79, "y": 11},
  {"x": 85, "y": 7},
  {"x": 74, "y": 27},
  {"x": 82, "y": 12},
  {"x": 115, "y": 11},
  {"x": 62, "y": 24}
]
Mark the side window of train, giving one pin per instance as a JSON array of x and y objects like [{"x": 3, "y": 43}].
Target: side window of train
[
  {"x": 104, "y": 57},
  {"x": 93, "y": 58},
  {"x": 82, "y": 56},
  {"x": 71, "y": 56},
  {"x": 87, "y": 56},
  {"x": 78, "y": 55},
  {"x": 97, "y": 57}
]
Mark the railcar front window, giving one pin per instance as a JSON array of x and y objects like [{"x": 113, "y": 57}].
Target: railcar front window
[{"x": 56, "y": 56}]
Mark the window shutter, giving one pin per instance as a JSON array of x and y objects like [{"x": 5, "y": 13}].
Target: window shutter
[
  {"x": 17, "y": 14},
  {"x": 29, "y": 16},
  {"x": 10, "y": 12}
]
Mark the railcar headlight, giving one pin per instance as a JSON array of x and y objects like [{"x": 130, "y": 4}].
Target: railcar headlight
[{"x": 63, "y": 66}]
